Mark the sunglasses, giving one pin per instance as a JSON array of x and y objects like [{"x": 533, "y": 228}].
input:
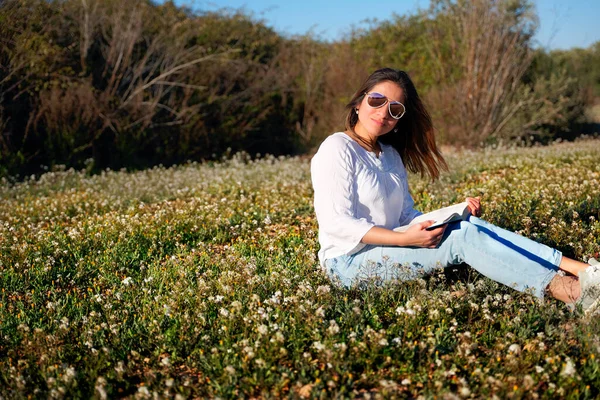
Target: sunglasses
[{"x": 395, "y": 108}]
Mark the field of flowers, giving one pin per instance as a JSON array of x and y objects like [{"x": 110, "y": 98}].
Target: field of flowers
[{"x": 202, "y": 281}]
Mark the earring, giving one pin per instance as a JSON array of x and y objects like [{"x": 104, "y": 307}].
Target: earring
[
  {"x": 357, "y": 110},
  {"x": 395, "y": 129}
]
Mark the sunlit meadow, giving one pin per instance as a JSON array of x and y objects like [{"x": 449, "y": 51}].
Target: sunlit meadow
[{"x": 202, "y": 281}]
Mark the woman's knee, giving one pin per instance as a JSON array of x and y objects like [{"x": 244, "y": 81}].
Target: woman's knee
[
  {"x": 479, "y": 222},
  {"x": 465, "y": 230}
]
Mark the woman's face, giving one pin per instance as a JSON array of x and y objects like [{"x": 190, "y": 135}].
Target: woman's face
[{"x": 377, "y": 121}]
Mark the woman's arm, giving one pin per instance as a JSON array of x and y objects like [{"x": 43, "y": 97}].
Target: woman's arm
[
  {"x": 334, "y": 183},
  {"x": 415, "y": 236}
]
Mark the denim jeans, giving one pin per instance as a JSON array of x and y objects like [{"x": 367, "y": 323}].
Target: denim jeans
[{"x": 501, "y": 255}]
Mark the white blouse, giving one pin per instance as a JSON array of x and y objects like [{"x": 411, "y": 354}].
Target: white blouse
[{"x": 354, "y": 191}]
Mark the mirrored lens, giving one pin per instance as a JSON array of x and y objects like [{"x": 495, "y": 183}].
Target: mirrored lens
[
  {"x": 376, "y": 100},
  {"x": 396, "y": 109}
]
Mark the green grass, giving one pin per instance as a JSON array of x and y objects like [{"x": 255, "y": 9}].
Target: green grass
[{"x": 202, "y": 281}]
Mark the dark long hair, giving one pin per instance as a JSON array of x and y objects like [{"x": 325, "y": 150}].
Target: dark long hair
[{"x": 413, "y": 136}]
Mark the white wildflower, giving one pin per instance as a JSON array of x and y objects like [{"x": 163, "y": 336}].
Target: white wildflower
[
  {"x": 143, "y": 393},
  {"x": 323, "y": 289},
  {"x": 236, "y": 305},
  {"x": 99, "y": 387},
  {"x": 69, "y": 375},
  {"x": 318, "y": 346},
  {"x": 230, "y": 370},
  {"x": 278, "y": 337},
  {"x": 260, "y": 362},
  {"x": 120, "y": 368},
  {"x": 539, "y": 369},
  {"x": 568, "y": 368},
  {"x": 514, "y": 348},
  {"x": 333, "y": 327},
  {"x": 249, "y": 352},
  {"x": 263, "y": 329}
]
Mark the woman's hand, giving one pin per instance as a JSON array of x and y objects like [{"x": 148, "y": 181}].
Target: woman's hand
[
  {"x": 474, "y": 206},
  {"x": 415, "y": 236},
  {"x": 419, "y": 236}
]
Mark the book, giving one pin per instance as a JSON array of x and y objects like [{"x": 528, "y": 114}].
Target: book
[{"x": 442, "y": 216}]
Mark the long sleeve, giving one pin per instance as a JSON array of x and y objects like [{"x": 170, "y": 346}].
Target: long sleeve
[
  {"x": 335, "y": 197},
  {"x": 408, "y": 212}
]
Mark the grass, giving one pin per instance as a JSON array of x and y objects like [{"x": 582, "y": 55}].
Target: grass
[{"x": 202, "y": 281}]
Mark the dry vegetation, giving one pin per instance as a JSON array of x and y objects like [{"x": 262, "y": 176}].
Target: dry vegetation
[{"x": 102, "y": 83}]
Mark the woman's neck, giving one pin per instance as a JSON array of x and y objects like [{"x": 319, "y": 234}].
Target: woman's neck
[{"x": 365, "y": 141}]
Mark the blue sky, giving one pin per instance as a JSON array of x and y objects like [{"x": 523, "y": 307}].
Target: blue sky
[{"x": 563, "y": 24}]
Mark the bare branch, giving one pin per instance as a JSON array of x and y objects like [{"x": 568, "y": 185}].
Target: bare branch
[{"x": 173, "y": 71}]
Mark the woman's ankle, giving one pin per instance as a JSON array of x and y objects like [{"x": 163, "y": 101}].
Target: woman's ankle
[{"x": 565, "y": 288}]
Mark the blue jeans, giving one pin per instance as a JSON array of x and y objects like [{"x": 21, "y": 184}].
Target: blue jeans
[{"x": 501, "y": 255}]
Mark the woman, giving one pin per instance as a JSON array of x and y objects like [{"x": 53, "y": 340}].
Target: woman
[{"x": 361, "y": 194}]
